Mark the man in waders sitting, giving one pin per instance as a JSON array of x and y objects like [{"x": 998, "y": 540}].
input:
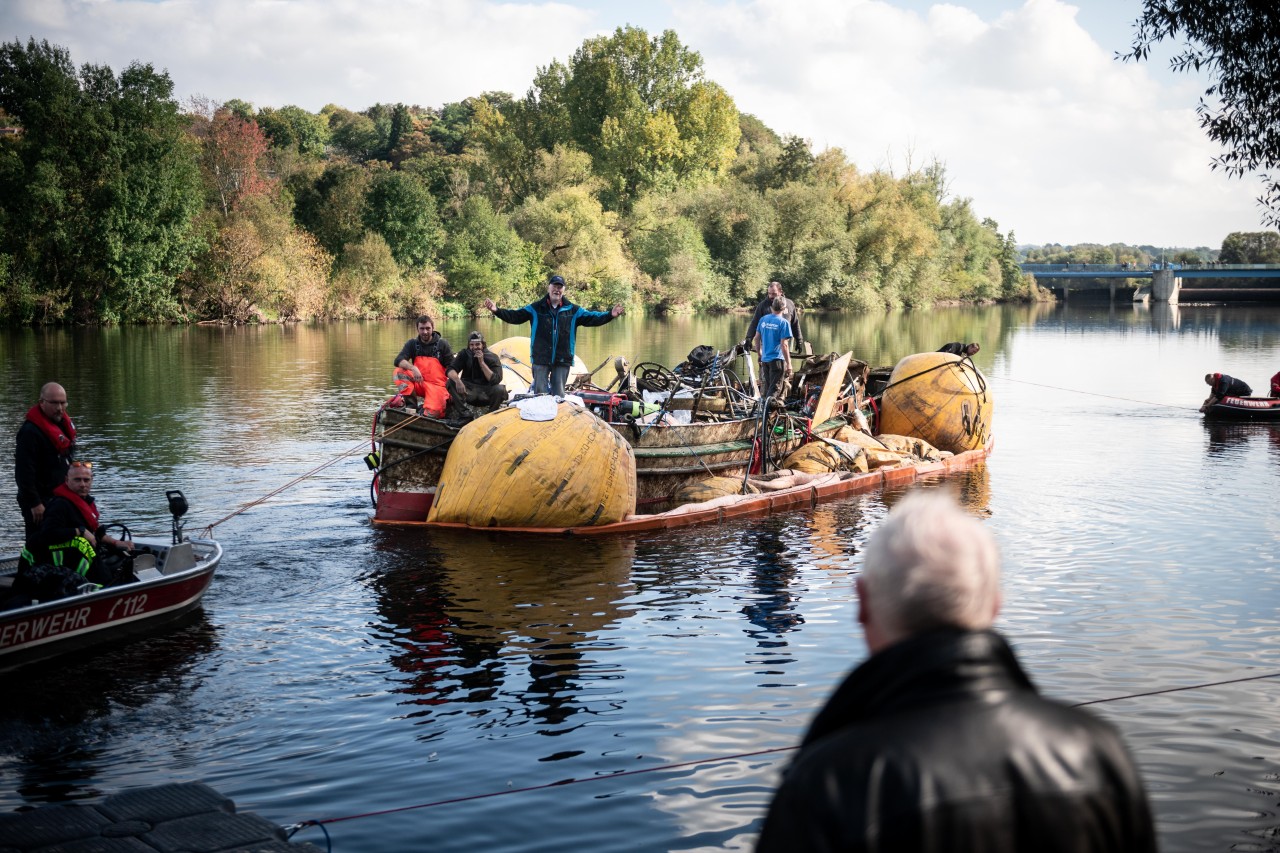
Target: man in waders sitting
[
  {"x": 773, "y": 342},
  {"x": 475, "y": 380},
  {"x": 420, "y": 370},
  {"x": 71, "y": 537}
]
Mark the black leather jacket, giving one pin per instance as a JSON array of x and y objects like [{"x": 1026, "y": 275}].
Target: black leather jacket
[{"x": 941, "y": 743}]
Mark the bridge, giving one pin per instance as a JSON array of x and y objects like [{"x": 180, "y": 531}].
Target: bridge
[{"x": 1166, "y": 280}]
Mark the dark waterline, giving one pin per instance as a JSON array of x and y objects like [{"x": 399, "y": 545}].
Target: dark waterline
[{"x": 337, "y": 670}]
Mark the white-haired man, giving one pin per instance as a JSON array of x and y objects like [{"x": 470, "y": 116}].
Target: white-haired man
[{"x": 939, "y": 741}]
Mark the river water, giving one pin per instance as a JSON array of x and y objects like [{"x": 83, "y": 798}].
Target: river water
[{"x": 337, "y": 670}]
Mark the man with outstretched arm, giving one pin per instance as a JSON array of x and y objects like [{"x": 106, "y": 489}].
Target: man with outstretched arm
[
  {"x": 939, "y": 741},
  {"x": 554, "y": 323}
]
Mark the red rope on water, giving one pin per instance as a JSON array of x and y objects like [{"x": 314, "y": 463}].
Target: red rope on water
[{"x": 716, "y": 760}]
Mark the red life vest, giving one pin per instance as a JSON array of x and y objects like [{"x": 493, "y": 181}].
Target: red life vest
[
  {"x": 431, "y": 389},
  {"x": 88, "y": 511},
  {"x": 61, "y": 435}
]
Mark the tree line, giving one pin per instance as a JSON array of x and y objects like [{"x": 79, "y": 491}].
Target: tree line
[
  {"x": 1238, "y": 247},
  {"x": 624, "y": 169}
]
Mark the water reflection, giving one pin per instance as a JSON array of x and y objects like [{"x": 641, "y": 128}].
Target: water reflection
[
  {"x": 480, "y": 619},
  {"x": 1234, "y": 442},
  {"x": 60, "y": 719}
]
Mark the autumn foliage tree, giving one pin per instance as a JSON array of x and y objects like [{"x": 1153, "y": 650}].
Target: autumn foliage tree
[{"x": 231, "y": 160}]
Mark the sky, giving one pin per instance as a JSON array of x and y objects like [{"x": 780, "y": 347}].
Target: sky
[{"x": 1025, "y": 103}]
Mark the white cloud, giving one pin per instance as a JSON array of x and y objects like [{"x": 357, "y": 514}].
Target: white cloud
[
  {"x": 1033, "y": 116},
  {"x": 313, "y": 52}
]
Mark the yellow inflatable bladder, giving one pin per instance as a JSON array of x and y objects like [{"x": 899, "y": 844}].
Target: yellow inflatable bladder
[
  {"x": 572, "y": 471},
  {"x": 940, "y": 398}
]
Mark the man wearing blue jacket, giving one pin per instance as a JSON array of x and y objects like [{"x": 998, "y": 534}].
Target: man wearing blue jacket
[{"x": 554, "y": 325}]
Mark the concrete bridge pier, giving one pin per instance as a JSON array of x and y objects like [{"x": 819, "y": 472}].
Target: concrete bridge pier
[{"x": 1165, "y": 287}]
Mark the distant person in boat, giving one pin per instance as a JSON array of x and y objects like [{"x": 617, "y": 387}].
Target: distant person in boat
[
  {"x": 1275, "y": 385},
  {"x": 939, "y": 741},
  {"x": 791, "y": 313},
  {"x": 553, "y": 333},
  {"x": 960, "y": 349},
  {"x": 475, "y": 379},
  {"x": 71, "y": 535},
  {"x": 1221, "y": 385},
  {"x": 45, "y": 446},
  {"x": 773, "y": 334},
  {"x": 421, "y": 369}
]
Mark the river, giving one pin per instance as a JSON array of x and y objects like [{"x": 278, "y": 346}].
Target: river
[{"x": 337, "y": 670}]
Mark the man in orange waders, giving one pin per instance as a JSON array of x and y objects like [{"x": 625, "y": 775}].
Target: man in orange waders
[{"x": 421, "y": 368}]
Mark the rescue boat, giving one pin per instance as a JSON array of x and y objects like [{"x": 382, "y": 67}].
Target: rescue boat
[
  {"x": 165, "y": 581},
  {"x": 1244, "y": 409}
]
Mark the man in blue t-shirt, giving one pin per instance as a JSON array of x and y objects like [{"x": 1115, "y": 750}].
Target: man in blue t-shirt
[{"x": 772, "y": 341}]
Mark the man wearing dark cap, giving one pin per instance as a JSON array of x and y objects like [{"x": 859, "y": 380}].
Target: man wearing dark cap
[
  {"x": 475, "y": 379},
  {"x": 554, "y": 323}
]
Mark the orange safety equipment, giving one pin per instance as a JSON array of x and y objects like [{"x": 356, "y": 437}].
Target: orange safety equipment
[{"x": 431, "y": 390}]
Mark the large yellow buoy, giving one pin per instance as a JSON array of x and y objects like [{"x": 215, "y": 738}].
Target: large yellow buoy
[
  {"x": 940, "y": 398},
  {"x": 572, "y": 471},
  {"x": 517, "y": 369}
]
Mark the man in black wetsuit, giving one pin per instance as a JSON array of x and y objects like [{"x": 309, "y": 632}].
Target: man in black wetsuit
[{"x": 960, "y": 349}]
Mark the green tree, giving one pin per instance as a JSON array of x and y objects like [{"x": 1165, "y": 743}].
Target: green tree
[
  {"x": 485, "y": 258},
  {"x": 399, "y": 208},
  {"x": 736, "y": 223},
  {"x": 332, "y": 207},
  {"x": 580, "y": 240},
  {"x": 670, "y": 251},
  {"x": 640, "y": 107},
  {"x": 294, "y": 128},
  {"x": 99, "y": 193},
  {"x": 811, "y": 248},
  {"x": 352, "y": 134},
  {"x": 1251, "y": 247}
]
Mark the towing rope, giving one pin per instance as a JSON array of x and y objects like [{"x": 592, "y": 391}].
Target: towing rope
[
  {"x": 294, "y": 828},
  {"x": 1088, "y": 393},
  {"x": 208, "y": 531}
]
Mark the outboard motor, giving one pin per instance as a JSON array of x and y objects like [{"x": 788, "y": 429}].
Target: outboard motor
[{"x": 178, "y": 507}]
